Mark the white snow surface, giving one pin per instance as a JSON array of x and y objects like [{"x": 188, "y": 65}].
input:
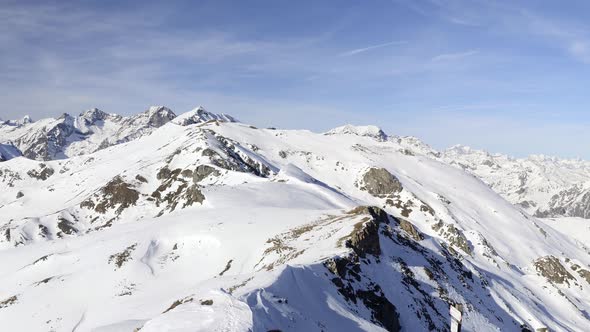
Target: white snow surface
[
  {"x": 117, "y": 239},
  {"x": 199, "y": 115},
  {"x": 368, "y": 131}
]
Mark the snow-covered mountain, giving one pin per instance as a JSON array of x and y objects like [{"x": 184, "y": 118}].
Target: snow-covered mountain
[
  {"x": 543, "y": 186},
  {"x": 221, "y": 226},
  {"x": 92, "y": 130}
]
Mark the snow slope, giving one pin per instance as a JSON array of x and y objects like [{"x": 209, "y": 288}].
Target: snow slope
[{"x": 219, "y": 226}]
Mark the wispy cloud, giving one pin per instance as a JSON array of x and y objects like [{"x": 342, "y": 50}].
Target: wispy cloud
[
  {"x": 572, "y": 37},
  {"x": 373, "y": 47},
  {"x": 446, "y": 11},
  {"x": 454, "y": 56}
]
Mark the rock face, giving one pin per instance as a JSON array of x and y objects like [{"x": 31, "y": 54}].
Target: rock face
[
  {"x": 379, "y": 182},
  {"x": 203, "y": 171},
  {"x": 117, "y": 194},
  {"x": 550, "y": 268},
  {"x": 364, "y": 240}
]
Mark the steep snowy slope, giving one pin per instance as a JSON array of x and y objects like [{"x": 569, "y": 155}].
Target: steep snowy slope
[
  {"x": 545, "y": 186},
  {"x": 8, "y": 151},
  {"x": 219, "y": 226}
]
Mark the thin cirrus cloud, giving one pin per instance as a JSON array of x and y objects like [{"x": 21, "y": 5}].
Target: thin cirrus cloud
[
  {"x": 454, "y": 56},
  {"x": 373, "y": 47}
]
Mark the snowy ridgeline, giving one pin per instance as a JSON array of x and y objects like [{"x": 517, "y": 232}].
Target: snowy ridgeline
[{"x": 201, "y": 223}]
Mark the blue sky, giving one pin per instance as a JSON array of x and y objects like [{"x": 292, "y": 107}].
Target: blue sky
[{"x": 506, "y": 76}]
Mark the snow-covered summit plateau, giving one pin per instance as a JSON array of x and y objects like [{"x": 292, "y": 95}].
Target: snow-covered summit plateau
[{"x": 197, "y": 222}]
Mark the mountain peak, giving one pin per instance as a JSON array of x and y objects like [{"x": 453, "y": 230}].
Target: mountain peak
[
  {"x": 159, "y": 109},
  {"x": 366, "y": 131},
  {"x": 26, "y": 119},
  {"x": 159, "y": 115},
  {"x": 200, "y": 115},
  {"x": 94, "y": 114}
]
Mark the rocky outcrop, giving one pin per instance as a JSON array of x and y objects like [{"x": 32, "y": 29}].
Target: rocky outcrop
[
  {"x": 379, "y": 182},
  {"x": 117, "y": 195},
  {"x": 119, "y": 259},
  {"x": 177, "y": 186},
  {"x": 204, "y": 171},
  {"x": 43, "y": 173},
  {"x": 453, "y": 235},
  {"x": 364, "y": 239},
  {"x": 551, "y": 268}
]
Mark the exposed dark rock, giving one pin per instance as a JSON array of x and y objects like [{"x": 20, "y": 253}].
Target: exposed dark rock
[
  {"x": 550, "y": 268},
  {"x": 8, "y": 302},
  {"x": 141, "y": 178},
  {"x": 227, "y": 267},
  {"x": 177, "y": 303},
  {"x": 121, "y": 258},
  {"x": 364, "y": 239},
  {"x": 584, "y": 274},
  {"x": 409, "y": 228},
  {"x": 115, "y": 194},
  {"x": 203, "y": 171},
  {"x": 43, "y": 174},
  {"x": 66, "y": 227},
  {"x": 382, "y": 310},
  {"x": 206, "y": 302},
  {"x": 426, "y": 208},
  {"x": 454, "y": 235},
  {"x": 19, "y": 194},
  {"x": 379, "y": 182},
  {"x": 193, "y": 195},
  {"x": 190, "y": 193}
]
